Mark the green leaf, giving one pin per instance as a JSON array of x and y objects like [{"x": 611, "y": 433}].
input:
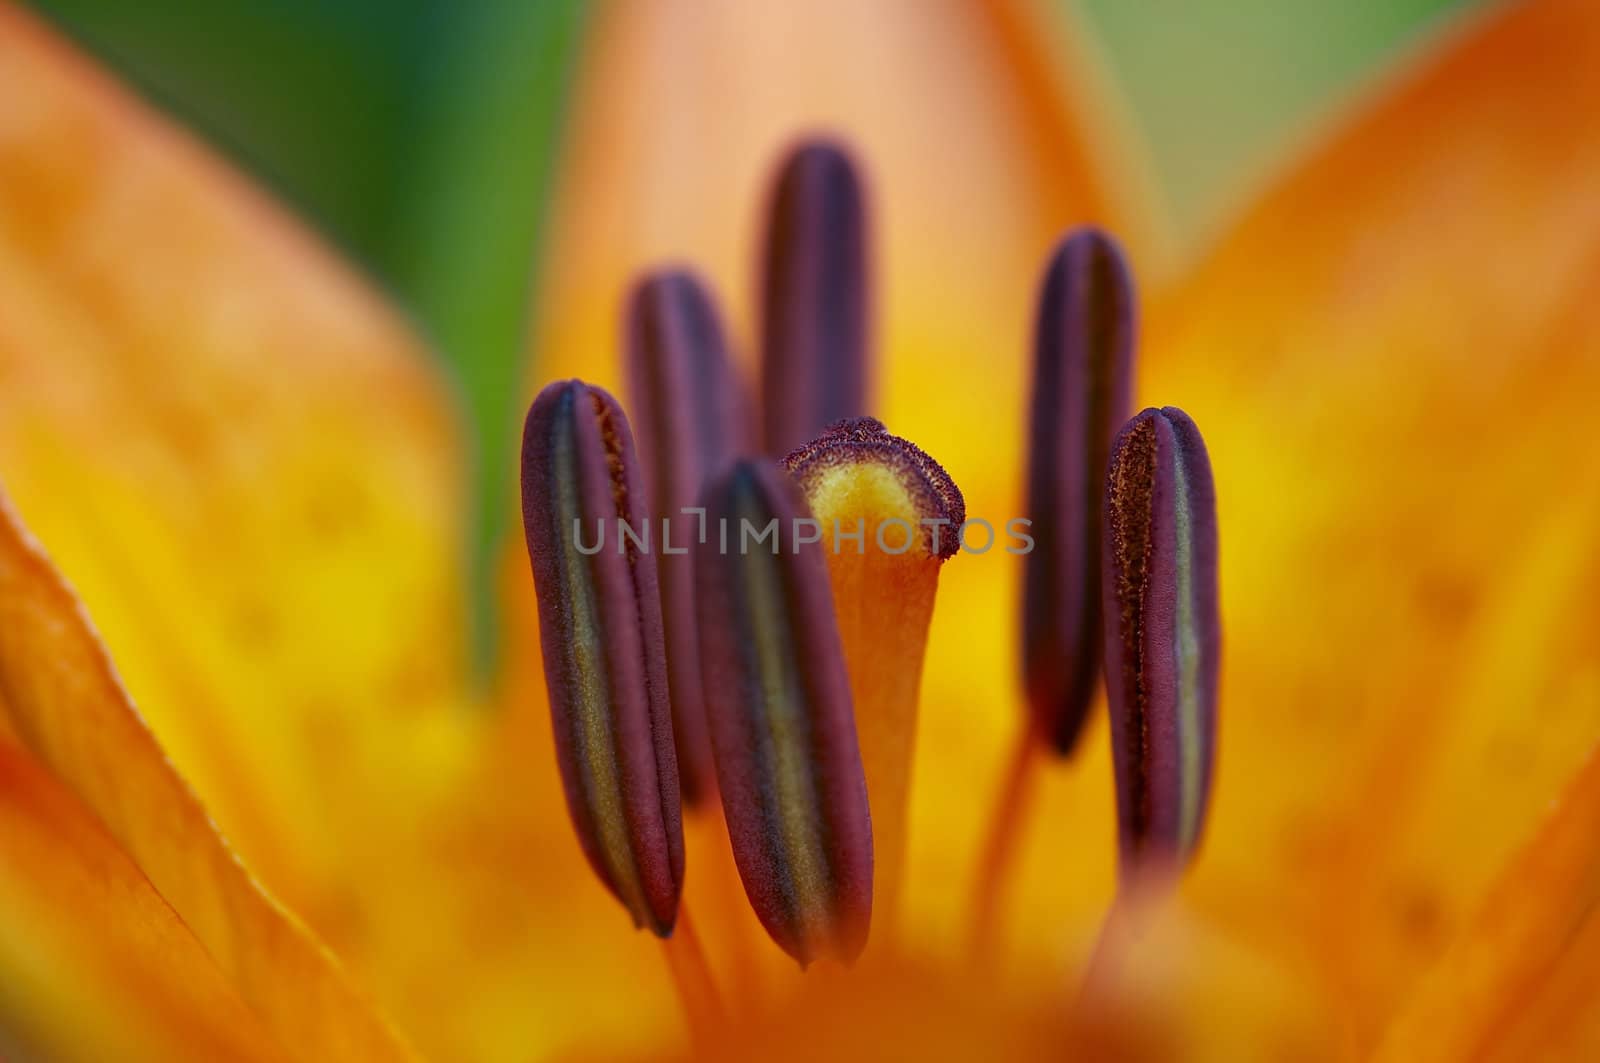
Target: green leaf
[{"x": 481, "y": 179}]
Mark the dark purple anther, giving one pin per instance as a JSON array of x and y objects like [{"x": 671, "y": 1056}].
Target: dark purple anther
[
  {"x": 692, "y": 418},
  {"x": 604, "y": 653},
  {"x": 782, "y": 721},
  {"x": 1082, "y": 373},
  {"x": 1162, "y": 635},
  {"x": 814, "y": 296}
]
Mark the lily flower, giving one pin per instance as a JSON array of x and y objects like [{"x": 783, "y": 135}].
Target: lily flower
[{"x": 230, "y": 471}]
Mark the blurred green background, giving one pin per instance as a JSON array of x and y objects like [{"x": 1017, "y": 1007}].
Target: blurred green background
[{"x": 418, "y": 133}]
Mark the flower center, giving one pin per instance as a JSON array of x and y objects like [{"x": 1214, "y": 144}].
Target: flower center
[{"x": 767, "y": 648}]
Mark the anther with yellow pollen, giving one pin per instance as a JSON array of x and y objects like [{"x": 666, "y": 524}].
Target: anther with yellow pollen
[
  {"x": 1083, "y": 376},
  {"x": 1163, "y": 636},
  {"x": 782, "y": 721},
  {"x": 692, "y": 418},
  {"x": 1083, "y": 344},
  {"x": 1163, "y": 641},
  {"x": 814, "y": 297},
  {"x": 604, "y": 656}
]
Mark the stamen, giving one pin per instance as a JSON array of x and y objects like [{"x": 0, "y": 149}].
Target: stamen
[
  {"x": 782, "y": 725},
  {"x": 890, "y": 516},
  {"x": 605, "y": 666},
  {"x": 1162, "y": 636},
  {"x": 697, "y": 989},
  {"x": 1083, "y": 358},
  {"x": 1082, "y": 370},
  {"x": 814, "y": 327},
  {"x": 691, "y": 417},
  {"x": 1002, "y": 840}
]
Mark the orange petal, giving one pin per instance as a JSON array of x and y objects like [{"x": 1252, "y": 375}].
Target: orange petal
[
  {"x": 1187, "y": 993},
  {"x": 238, "y": 455},
  {"x": 1560, "y": 1021},
  {"x": 1397, "y": 346},
  {"x": 97, "y": 965},
  {"x": 1528, "y": 926},
  {"x": 62, "y": 700}
]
